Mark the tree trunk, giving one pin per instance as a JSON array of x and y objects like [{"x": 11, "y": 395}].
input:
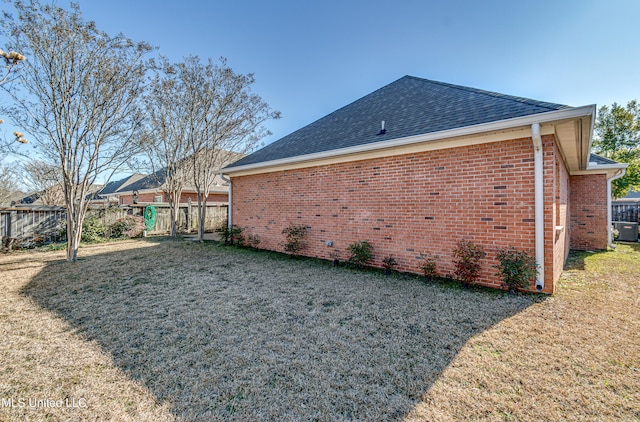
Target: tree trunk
[
  {"x": 72, "y": 244},
  {"x": 202, "y": 212},
  {"x": 174, "y": 210},
  {"x": 74, "y": 233}
]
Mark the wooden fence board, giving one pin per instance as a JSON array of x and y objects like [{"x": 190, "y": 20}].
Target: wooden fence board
[{"x": 34, "y": 224}]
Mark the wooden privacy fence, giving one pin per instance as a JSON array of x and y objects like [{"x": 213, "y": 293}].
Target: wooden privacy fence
[
  {"x": 627, "y": 212},
  {"x": 46, "y": 224},
  {"x": 32, "y": 224},
  {"x": 215, "y": 217}
]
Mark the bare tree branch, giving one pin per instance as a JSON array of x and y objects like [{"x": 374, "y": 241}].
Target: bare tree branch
[{"x": 77, "y": 98}]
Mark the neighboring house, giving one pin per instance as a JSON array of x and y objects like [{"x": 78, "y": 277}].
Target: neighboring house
[
  {"x": 418, "y": 165},
  {"x": 111, "y": 191},
  {"x": 632, "y": 196},
  {"x": 149, "y": 189},
  {"x": 53, "y": 196},
  {"x": 141, "y": 189}
]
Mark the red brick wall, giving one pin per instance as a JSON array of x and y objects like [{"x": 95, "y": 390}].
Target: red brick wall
[
  {"x": 558, "y": 228},
  {"x": 143, "y": 197},
  {"x": 404, "y": 205},
  {"x": 589, "y": 226}
]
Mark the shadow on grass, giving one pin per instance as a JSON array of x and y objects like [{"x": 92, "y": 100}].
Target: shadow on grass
[{"x": 221, "y": 333}]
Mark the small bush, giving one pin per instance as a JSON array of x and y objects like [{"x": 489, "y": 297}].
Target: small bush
[
  {"x": 294, "y": 238},
  {"x": 516, "y": 269},
  {"x": 93, "y": 230},
  {"x": 361, "y": 253},
  {"x": 428, "y": 266},
  {"x": 389, "y": 263},
  {"x": 253, "y": 240},
  {"x": 233, "y": 235},
  {"x": 128, "y": 227},
  {"x": 467, "y": 256}
]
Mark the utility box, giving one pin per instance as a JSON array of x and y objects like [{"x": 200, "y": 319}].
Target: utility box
[{"x": 627, "y": 232}]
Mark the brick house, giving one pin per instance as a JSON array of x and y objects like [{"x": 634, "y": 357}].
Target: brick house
[
  {"x": 149, "y": 189},
  {"x": 418, "y": 165}
]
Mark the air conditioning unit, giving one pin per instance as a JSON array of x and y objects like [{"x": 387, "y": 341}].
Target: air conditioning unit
[{"x": 627, "y": 232}]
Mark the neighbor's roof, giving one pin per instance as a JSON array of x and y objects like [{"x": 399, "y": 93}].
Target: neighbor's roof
[
  {"x": 633, "y": 194},
  {"x": 599, "y": 160},
  {"x": 117, "y": 185},
  {"x": 409, "y": 106},
  {"x": 151, "y": 181}
]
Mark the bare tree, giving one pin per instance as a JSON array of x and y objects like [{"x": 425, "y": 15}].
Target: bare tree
[
  {"x": 8, "y": 185},
  {"x": 44, "y": 178},
  {"x": 226, "y": 122},
  {"x": 168, "y": 116},
  {"x": 76, "y": 98}
]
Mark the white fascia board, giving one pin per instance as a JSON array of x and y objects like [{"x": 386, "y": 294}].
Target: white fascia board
[
  {"x": 609, "y": 169},
  {"x": 551, "y": 116}
]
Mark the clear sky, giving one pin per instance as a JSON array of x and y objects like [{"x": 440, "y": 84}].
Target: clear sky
[{"x": 312, "y": 57}]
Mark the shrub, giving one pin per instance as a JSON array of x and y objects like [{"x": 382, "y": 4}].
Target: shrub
[
  {"x": 294, "y": 238},
  {"x": 389, "y": 263},
  {"x": 361, "y": 253},
  {"x": 516, "y": 269},
  {"x": 130, "y": 226},
  {"x": 428, "y": 266},
  {"x": 254, "y": 240},
  {"x": 467, "y": 256},
  {"x": 232, "y": 235},
  {"x": 93, "y": 230}
]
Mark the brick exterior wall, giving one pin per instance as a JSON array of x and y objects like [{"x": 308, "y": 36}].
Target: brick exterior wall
[
  {"x": 589, "y": 228},
  {"x": 403, "y": 205},
  {"x": 561, "y": 225},
  {"x": 426, "y": 202}
]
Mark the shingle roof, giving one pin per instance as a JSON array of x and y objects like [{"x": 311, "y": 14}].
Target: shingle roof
[
  {"x": 633, "y": 194},
  {"x": 115, "y": 186},
  {"x": 594, "y": 158},
  {"x": 409, "y": 106},
  {"x": 151, "y": 181}
]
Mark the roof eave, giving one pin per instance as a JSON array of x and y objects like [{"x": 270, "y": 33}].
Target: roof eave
[
  {"x": 551, "y": 116},
  {"x": 610, "y": 170}
]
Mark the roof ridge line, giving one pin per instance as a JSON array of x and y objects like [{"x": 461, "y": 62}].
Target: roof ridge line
[{"x": 524, "y": 100}]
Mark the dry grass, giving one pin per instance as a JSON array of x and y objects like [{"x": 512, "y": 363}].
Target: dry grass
[
  {"x": 181, "y": 330},
  {"x": 575, "y": 356}
]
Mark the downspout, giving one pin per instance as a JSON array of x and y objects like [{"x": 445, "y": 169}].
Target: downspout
[
  {"x": 618, "y": 175},
  {"x": 230, "y": 214},
  {"x": 539, "y": 202}
]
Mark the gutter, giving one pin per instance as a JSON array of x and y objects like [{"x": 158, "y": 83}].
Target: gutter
[
  {"x": 230, "y": 209},
  {"x": 539, "y": 202},
  {"x": 619, "y": 174}
]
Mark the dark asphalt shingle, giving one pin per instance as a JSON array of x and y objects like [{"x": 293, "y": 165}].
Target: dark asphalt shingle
[
  {"x": 594, "y": 158},
  {"x": 409, "y": 106}
]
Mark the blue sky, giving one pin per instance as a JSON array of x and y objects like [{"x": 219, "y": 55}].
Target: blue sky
[{"x": 310, "y": 58}]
